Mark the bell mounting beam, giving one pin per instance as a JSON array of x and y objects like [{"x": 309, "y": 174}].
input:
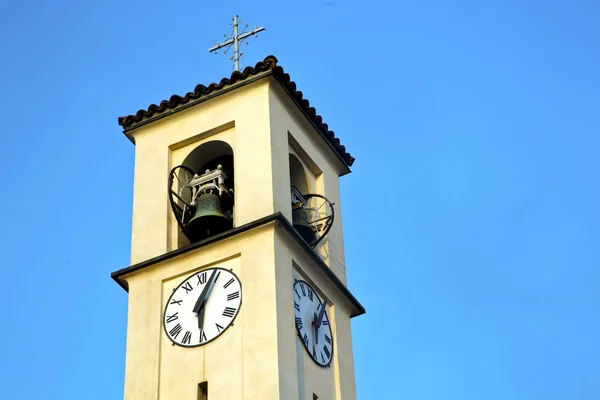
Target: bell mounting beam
[{"x": 234, "y": 41}]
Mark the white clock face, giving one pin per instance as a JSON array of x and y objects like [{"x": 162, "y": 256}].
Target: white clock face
[
  {"x": 202, "y": 307},
  {"x": 312, "y": 323}
]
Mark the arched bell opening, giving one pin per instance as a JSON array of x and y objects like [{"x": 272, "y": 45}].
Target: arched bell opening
[
  {"x": 299, "y": 188},
  {"x": 312, "y": 214},
  {"x": 207, "y": 157},
  {"x": 201, "y": 192}
]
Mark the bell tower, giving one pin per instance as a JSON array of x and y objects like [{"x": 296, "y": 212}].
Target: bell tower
[{"x": 237, "y": 283}]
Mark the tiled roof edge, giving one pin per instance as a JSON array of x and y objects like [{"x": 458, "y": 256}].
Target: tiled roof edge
[{"x": 269, "y": 63}]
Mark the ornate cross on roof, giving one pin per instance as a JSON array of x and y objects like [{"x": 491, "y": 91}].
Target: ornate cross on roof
[{"x": 234, "y": 41}]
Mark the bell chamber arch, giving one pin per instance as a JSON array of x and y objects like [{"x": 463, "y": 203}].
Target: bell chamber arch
[
  {"x": 298, "y": 177},
  {"x": 312, "y": 213},
  {"x": 201, "y": 191}
]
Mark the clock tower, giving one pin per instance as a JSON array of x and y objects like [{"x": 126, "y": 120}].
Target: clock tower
[{"x": 237, "y": 283}]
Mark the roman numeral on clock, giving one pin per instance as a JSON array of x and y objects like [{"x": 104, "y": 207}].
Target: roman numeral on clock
[
  {"x": 326, "y": 350},
  {"x": 305, "y": 339},
  {"x": 299, "y": 322},
  {"x": 327, "y": 339},
  {"x": 175, "y": 331},
  {"x": 187, "y": 287},
  {"x": 303, "y": 290},
  {"x": 187, "y": 337},
  {"x": 310, "y": 295},
  {"x": 229, "y": 282},
  {"x": 219, "y": 327},
  {"x": 233, "y": 295},
  {"x": 178, "y": 302},
  {"x": 201, "y": 278},
  {"x": 229, "y": 312},
  {"x": 171, "y": 318},
  {"x": 297, "y": 306},
  {"x": 202, "y": 337}
]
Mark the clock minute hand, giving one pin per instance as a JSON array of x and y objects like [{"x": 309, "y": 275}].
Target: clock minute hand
[
  {"x": 201, "y": 302},
  {"x": 317, "y": 321},
  {"x": 316, "y": 328},
  {"x": 203, "y": 294}
]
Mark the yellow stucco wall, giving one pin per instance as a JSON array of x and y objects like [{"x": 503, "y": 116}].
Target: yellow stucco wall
[
  {"x": 159, "y": 147},
  {"x": 239, "y": 363},
  {"x": 337, "y": 381},
  {"x": 260, "y": 357},
  {"x": 289, "y": 128}
]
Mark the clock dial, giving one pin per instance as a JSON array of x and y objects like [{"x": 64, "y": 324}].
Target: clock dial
[
  {"x": 312, "y": 323},
  {"x": 202, "y": 307}
]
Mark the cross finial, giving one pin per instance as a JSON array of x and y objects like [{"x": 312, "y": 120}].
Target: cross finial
[{"x": 234, "y": 41}]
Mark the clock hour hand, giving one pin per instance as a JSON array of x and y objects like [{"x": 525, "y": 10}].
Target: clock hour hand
[{"x": 201, "y": 319}]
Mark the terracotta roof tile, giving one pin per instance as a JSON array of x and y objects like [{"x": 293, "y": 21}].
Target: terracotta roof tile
[{"x": 268, "y": 64}]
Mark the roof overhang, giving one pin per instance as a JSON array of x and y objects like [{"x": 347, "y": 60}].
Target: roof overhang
[
  {"x": 357, "y": 308},
  {"x": 267, "y": 67}
]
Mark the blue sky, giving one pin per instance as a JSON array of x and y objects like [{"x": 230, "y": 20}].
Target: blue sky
[{"x": 471, "y": 218}]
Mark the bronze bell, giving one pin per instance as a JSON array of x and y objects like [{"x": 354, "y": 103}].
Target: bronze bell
[
  {"x": 300, "y": 222},
  {"x": 209, "y": 219}
]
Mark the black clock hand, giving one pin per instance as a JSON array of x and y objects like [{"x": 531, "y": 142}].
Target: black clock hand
[
  {"x": 203, "y": 295},
  {"x": 317, "y": 321},
  {"x": 316, "y": 328},
  {"x": 203, "y": 298},
  {"x": 320, "y": 316},
  {"x": 201, "y": 320}
]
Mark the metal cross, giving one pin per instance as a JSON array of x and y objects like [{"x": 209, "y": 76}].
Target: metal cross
[{"x": 234, "y": 41}]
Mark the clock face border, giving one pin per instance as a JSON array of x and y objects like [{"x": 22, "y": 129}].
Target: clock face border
[
  {"x": 328, "y": 365},
  {"x": 187, "y": 277}
]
